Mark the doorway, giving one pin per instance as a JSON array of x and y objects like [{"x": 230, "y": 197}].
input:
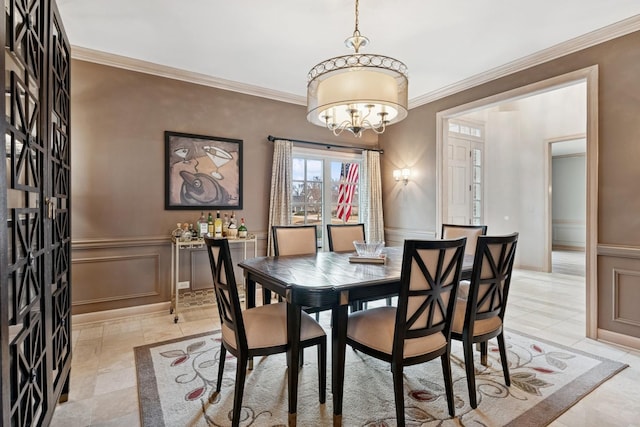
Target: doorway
[
  {"x": 567, "y": 198},
  {"x": 515, "y": 193}
]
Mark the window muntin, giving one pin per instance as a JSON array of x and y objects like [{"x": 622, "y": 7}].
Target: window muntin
[{"x": 316, "y": 179}]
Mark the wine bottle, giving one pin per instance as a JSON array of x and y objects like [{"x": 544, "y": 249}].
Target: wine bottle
[
  {"x": 225, "y": 226},
  {"x": 232, "y": 232},
  {"x": 202, "y": 226},
  {"x": 218, "y": 226},
  {"x": 210, "y": 228},
  {"x": 242, "y": 230}
]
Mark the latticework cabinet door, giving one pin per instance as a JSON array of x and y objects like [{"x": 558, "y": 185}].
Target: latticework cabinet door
[{"x": 35, "y": 241}]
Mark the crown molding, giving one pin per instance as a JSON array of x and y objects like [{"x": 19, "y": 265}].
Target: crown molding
[
  {"x": 132, "y": 64},
  {"x": 593, "y": 38}
]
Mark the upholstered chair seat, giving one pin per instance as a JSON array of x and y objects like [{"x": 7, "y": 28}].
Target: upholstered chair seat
[
  {"x": 375, "y": 328},
  {"x": 266, "y": 326},
  {"x": 480, "y": 327}
]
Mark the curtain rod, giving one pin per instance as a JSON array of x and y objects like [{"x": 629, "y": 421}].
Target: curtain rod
[{"x": 323, "y": 144}]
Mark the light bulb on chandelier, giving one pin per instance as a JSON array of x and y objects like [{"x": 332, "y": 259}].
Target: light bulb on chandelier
[{"x": 358, "y": 91}]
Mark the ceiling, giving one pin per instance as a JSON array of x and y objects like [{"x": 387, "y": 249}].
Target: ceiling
[{"x": 272, "y": 45}]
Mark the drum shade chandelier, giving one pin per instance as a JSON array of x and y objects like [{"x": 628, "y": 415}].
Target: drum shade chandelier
[{"x": 358, "y": 91}]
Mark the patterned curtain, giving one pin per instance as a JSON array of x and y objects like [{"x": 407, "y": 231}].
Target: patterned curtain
[
  {"x": 281, "y": 182},
  {"x": 371, "y": 198}
]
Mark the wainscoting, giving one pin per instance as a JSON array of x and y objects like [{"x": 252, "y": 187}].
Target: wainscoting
[
  {"x": 569, "y": 235},
  {"x": 111, "y": 274},
  {"x": 618, "y": 294}
]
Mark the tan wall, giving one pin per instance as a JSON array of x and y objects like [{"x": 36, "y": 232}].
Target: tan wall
[
  {"x": 412, "y": 143},
  {"x": 120, "y": 230},
  {"x": 118, "y": 120}
]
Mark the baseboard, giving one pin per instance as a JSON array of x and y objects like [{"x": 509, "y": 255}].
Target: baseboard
[
  {"x": 615, "y": 338},
  {"x": 529, "y": 268},
  {"x": 568, "y": 248},
  {"x": 119, "y": 313}
]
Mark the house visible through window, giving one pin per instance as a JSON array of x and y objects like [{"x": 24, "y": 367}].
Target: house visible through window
[{"x": 325, "y": 189}]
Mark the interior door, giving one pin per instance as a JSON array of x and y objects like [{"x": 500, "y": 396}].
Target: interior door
[{"x": 459, "y": 181}]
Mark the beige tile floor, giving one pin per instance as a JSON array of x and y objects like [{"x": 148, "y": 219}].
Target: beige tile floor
[{"x": 551, "y": 306}]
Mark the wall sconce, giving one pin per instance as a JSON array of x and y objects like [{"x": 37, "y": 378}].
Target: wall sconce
[{"x": 403, "y": 175}]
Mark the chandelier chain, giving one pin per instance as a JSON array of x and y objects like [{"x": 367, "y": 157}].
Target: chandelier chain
[{"x": 357, "y": 31}]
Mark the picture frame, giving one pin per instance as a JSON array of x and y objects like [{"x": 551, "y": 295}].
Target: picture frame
[{"x": 202, "y": 172}]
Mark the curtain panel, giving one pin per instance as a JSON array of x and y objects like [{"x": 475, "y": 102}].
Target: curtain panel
[
  {"x": 281, "y": 185},
  {"x": 371, "y": 198}
]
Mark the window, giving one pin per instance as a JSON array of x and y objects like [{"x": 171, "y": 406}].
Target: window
[{"x": 325, "y": 189}]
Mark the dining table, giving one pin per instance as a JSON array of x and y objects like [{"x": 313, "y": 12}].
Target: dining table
[{"x": 325, "y": 280}]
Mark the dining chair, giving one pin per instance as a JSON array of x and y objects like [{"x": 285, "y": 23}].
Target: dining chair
[
  {"x": 471, "y": 232},
  {"x": 480, "y": 315},
  {"x": 341, "y": 236},
  {"x": 418, "y": 329},
  {"x": 258, "y": 331},
  {"x": 294, "y": 239}
]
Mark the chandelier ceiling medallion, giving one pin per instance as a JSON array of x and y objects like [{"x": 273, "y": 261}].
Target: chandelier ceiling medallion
[{"x": 358, "y": 91}]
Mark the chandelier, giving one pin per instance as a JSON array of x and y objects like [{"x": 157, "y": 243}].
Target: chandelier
[{"x": 358, "y": 91}]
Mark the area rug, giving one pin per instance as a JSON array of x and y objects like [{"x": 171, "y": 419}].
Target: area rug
[{"x": 176, "y": 378}]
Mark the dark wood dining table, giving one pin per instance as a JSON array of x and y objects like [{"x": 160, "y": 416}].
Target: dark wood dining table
[{"x": 324, "y": 280}]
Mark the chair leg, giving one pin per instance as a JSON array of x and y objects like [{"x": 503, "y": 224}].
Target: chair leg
[
  {"x": 503, "y": 359},
  {"x": 467, "y": 346},
  {"x": 353, "y": 306},
  {"x": 301, "y": 359},
  {"x": 223, "y": 357},
  {"x": 389, "y": 303},
  {"x": 398, "y": 392},
  {"x": 483, "y": 353},
  {"x": 448, "y": 382},
  {"x": 322, "y": 370},
  {"x": 241, "y": 373},
  {"x": 266, "y": 296}
]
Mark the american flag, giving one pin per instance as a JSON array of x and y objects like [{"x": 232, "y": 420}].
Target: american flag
[{"x": 348, "y": 181}]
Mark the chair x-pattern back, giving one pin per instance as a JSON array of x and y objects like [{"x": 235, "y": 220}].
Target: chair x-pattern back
[
  {"x": 419, "y": 328},
  {"x": 480, "y": 316}
]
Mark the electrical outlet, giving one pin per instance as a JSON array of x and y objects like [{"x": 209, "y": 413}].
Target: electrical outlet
[{"x": 183, "y": 285}]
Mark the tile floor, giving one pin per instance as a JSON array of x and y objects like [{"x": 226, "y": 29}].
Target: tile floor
[{"x": 551, "y": 306}]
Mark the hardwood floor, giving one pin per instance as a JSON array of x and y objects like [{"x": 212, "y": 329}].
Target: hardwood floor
[
  {"x": 550, "y": 306},
  {"x": 568, "y": 262}
]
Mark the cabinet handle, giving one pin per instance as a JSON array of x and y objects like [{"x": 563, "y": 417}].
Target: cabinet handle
[{"x": 51, "y": 207}]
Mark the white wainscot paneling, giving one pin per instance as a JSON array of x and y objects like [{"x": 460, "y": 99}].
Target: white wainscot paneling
[{"x": 568, "y": 234}]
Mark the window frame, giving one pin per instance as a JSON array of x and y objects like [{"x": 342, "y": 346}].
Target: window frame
[{"x": 327, "y": 157}]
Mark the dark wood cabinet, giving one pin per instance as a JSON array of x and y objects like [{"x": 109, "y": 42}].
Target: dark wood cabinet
[{"x": 35, "y": 240}]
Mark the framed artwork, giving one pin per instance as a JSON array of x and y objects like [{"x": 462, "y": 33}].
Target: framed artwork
[{"x": 202, "y": 172}]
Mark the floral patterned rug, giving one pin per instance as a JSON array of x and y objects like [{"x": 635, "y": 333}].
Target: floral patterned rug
[{"x": 176, "y": 378}]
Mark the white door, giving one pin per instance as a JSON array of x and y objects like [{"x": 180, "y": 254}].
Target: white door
[
  {"x": 459, "y": 179},
  {"x": 465, "y": 145}
]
